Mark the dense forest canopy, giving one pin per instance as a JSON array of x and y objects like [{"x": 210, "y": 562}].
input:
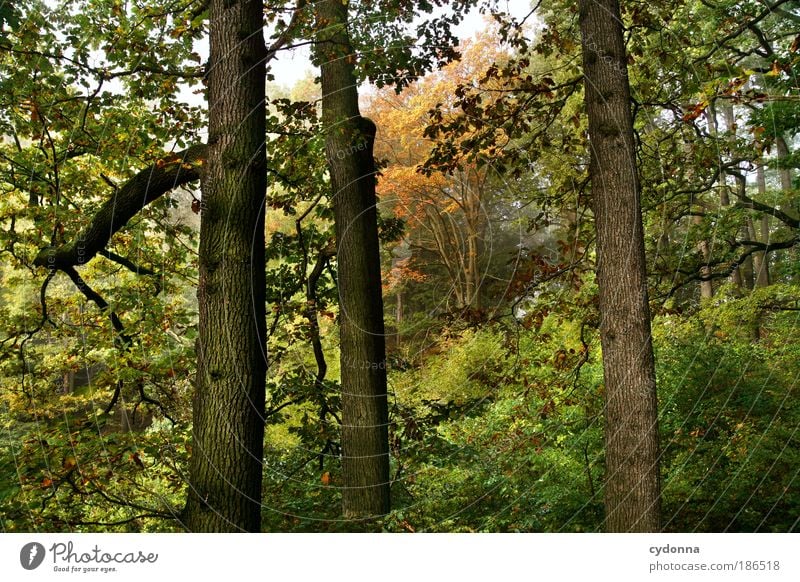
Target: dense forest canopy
[{"x": 544, "y": 278}]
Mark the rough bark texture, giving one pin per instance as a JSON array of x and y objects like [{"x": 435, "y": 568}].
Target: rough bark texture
[
  {"x": 632, "y": 491},
  {"x": 228, "y": 430},
  {"x": 349, "y": 142},
  {"x": 145, "y": 187}
]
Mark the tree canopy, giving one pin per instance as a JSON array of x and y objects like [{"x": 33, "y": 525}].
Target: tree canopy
[{"x": 179, "y": 291}]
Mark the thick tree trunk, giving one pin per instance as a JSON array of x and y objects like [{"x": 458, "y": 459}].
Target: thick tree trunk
[
  {"x": 228, "y": 431},
  {"x": 632, "y": 485},
  {"x": 348, "y": 145}
]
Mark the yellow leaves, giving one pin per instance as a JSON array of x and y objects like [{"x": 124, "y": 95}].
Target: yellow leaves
[
  {"x": 69, "y": 463},
  {"x": 775, "y": 71},
  {"x": 178, "y": 31}
]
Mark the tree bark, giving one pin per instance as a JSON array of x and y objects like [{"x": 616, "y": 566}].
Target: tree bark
[
  {"x": 228, "y": 416},
  {"x": 349, "y": 146},
  {"x": 706, "y": 285},
  {"x": 784, "y": 173},
  {"x": 761, "y": 260},
  {"x": 632, "y": 484}
]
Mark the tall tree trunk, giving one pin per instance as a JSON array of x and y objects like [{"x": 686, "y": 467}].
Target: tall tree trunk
[
  {"x": 761, "y": 260},
  {"x": 472, "y": 271},
  {"x": 228, "y": 432},
  {"x": 784, "y": 172},
  {"x": 706, "y": 285},
  {"x": 632, "y": 484},
  {"x": 741, "y": 277},
  {"x": 785, "y": 175},
  {"x": 348, "y": 146}
]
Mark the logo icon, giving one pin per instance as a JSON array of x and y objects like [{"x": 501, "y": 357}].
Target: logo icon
[{"x": 31, "y": 555}]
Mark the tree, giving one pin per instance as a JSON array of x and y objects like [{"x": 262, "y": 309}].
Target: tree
[
  {"x": 228, "y": 414},
  {"x": 632, "y": 496},
  {"x": 349, "y": 146},
  {"x": 446, "y": 214}
]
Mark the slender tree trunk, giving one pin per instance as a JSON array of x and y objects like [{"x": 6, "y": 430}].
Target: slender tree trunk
[
  {"x": 761, "y": 260},
  {"x": 632, "y": 484},
  {"x": 784, "y": 172},
  {"x": 706, "y": 285},
  {"x": 741, "y": 276},
  {"x": 785, "y": 175},
  {"x": 348, "y": 146},
  {"x": 472, "y": 274},
  {"x": 228, "y": 431}
]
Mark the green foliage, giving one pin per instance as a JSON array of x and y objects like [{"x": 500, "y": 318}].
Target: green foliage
[
  {"x": 496, "y": 413},
  {"x": 729, "y": 419}
]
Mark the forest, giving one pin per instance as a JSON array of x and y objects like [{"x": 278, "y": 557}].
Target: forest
[{"x": 541, "y": 277}]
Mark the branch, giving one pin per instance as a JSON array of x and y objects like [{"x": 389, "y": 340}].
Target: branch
[
  {"x": 754, "y": 247},
  {"x": 98, "y": 300},
  {"x": 123, "y": 521},
  {"x": 127, "y": 263},
  {"x": 287, "y": 33},
  {"x": 770, "y": 9},
  {"x": 145, "y": 398},
  {"x": 145, "y": 187},
  {"x": 747, "y": 202}
]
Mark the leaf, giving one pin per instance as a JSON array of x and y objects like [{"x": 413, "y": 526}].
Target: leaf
[
  {"x": 137, "y": 459},
  {"x": 70, "y": 462}
]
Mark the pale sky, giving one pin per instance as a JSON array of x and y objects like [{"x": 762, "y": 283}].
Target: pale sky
[{"x": 292, "y": 66}]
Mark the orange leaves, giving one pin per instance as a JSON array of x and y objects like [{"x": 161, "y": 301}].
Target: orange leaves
[
  {"x": 401, "y": 271},
  {"x": 695, "y": 111},
  {"x": 326, "y": 478},
  {"x": 137, "y": 459}
]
